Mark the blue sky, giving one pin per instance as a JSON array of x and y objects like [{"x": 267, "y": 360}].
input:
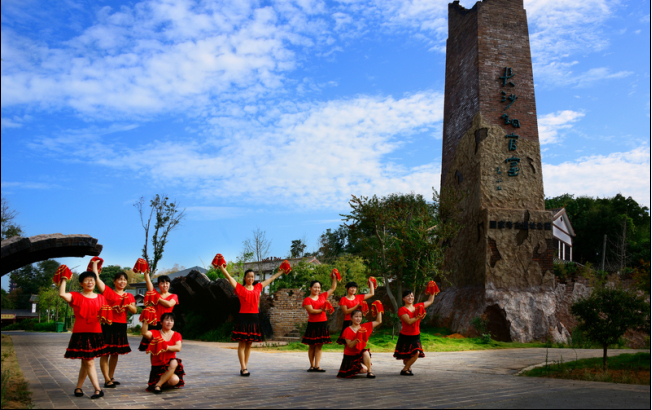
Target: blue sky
[{"x": 271, "y": 114}]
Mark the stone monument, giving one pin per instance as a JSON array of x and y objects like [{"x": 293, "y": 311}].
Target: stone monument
[{"x": 502, "y": 260}]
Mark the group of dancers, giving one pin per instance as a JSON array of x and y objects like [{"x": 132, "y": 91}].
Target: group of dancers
[{"x": 100, "y": 329}]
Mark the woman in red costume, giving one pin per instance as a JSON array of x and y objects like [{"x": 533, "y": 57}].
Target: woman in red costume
[
  {"x": 115, "y": 334},
  {"x": 166, "y": 302},
  {"x": 408, "y": 345},
  {"x": 247, "y": 330},
  {"x": 317, "y": 334},
  {"x": 87, "y": 342},
  {"x": 167, "y": 371},
  {"x": 357, "y": 358},
  {"x": 351, "y": 302}
]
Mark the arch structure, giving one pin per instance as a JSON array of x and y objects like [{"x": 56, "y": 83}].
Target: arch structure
[{"x": 18, "y": 251}]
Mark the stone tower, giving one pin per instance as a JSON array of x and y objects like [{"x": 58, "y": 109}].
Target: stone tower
[{"x": 501, "y": 261}]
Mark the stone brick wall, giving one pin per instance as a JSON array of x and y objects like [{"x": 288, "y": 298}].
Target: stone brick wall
[{"x": 286, "y": 312}]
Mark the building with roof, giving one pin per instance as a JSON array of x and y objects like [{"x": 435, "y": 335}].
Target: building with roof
[{"x": 563, "y": 234}]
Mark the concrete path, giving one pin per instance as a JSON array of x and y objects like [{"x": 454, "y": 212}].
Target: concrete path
[{"x": 279, "y": 380}]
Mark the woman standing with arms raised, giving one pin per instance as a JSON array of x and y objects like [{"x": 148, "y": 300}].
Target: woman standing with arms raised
[
  {"x": 351, "y": 302},
  {"x": 317, "y": 334},
  {"x": 408, "y": 345},
  {"x": 247, "y": 330},
  {"x": 166, "y": 302}
]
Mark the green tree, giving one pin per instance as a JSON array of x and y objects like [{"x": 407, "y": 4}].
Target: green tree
[
  {"x": 107, "y": 274},
  {"x": 166, "y": 217},
  {"x": 50, "y": 304},
  {"x": 297, "y": 249},
  {"x": 8, "y": 228},
  {"x": 333, "y": 244},
  {"x": 608, "y": 313},
  {"x": 32, "y": 278},
  {"x": 6, "y": 302}
]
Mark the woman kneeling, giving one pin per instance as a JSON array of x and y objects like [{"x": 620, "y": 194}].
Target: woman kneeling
[
  {"x": 357, "y": 359},
  {"x": 167, "y": 371}
]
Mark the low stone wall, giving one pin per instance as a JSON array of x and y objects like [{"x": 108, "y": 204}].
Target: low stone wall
[{"x": 286, "y": 312}]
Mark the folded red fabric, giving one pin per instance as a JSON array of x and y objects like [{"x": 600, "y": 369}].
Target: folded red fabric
[
  {"x": 119, "y": 308},
  {"x": 62, "y": 272},
  {"x": 364, "y": 307},
  {"x": 99, "y": 265},
  {"x": 106, "y": 315},
  {"x": 149, "y": 316},
  {"x": 157, "y": 346},
  {"x": 218, "y": 261},
  {"x": 285, "y": 267},
  {"x": 141, "y": 266},
  {"x": 419, "y": 309},
  {"x": 328, "y": 308},
  {"x": 432, "y": 288},
  {"x": 373, "y": 282},
  {"x": 151, "y": 298},
  {"x": 377, "y": 307},
  {"x": 336, "y": 273}
]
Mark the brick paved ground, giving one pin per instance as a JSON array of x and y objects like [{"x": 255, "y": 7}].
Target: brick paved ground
[{"x": 279, "y": 380}]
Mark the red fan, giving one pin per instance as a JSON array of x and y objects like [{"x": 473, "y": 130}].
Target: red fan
[
  {"x": 157, "y": 346},
  {"x": 99, "y": 265},
  {"x": 432, "y": 288},
  {"x": 364, "y": 307},
  {"x": 373, "y": 282},
  {"x": 151, "y": 298},
  {"x": 419, "y": 310},
  {"x": 62, "y": 272},
  {"x": 336, "y": 274},
  {"x": 149, "y": 316},
  {"x": 141, "y": 266},
  {"x": 106, "y": 315},
  {"x": 218, "y": 261},
  {"x": 285, "y": 267},
  {"x": 329, "y": 308},
  {"x": 377, "y": 307}
]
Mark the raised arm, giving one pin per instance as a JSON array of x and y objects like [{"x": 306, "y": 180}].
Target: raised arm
[
  {"x": 145, "y": 331},
  {"x": 272, "y": 279},
  {"x": 371, "y": 294},
  {"x": 379, "y": 320},
  {"x": 228, "y": 277},
  {"x": 430, "y": 301},
  {"x": 62, "y": 291},
  {"x": 148, "y": 280},
  {"x": 176, "y": 348},
  {"x": 330, "y": 291},
  {"x": 167, "y": 303},
  {"x": 100, "y": 284}
]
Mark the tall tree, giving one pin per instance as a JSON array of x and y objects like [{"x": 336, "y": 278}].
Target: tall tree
[
  {"x": 297, "y": 249},
  {"x": 165, "y": 217},
  {"x": 9, "y": 228},
  {"x": 259, "y": 245},
  {"x": 333, "y": 244}
]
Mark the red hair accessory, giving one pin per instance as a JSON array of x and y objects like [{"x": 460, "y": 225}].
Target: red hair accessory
[
  {"x": 419, "y": 310},
  {"x": 335, "y": 273},
  {"x": 149, "y": 316},
  {"x": 285, "y": 267},
  {"x": 157, "y": 346},
  {"x": 364, "y": 307},
  {"x": 218, "y": 261},
  {"x": 62, "y": 272},
  {"x": 373, "y": 282},
  {"x": 141, "y": 266},
  {"x": 106, "y": 315},
  {"x": 432, "y": 288},
  {"x": 377, "y": 307},
  {"x": 329, "y": 308},
  {"x": 99, "y": 265},
  {"x": 151, "y": 298}
]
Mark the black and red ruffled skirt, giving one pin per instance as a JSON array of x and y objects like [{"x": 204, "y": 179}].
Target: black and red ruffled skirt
[
  {"x": 158, "y": 371},
  {"x": 115, "y": 338},
  {"x": 340, "y": 340},
  {"x": 86, "y": 346},
  {"x": 317, "y": 334},
  {"x": 407, "y": 346},
  {"x": 352, "y": 365},
  {"x": 247, "y": 329},
  {"x": 142, "y": 347}
]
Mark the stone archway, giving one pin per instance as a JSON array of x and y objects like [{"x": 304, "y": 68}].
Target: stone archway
[
  {"x": 498, "y": 325},
  {"x": 18, "y": 251}
]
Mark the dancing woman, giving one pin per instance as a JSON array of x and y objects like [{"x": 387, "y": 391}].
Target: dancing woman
[
  {"x": 351, "y": 302},
  {"x": 115, "y": 334},
  {"x": 87, "y": 342},
  {"x": 247, "y": 330},
  {"x": 166, "y": 303},
  {"x": 408, "y": 345},
  {"x": 357, "y": 358},
  {"x": 317, "y": 334},
  {"x": 167, "y": 371}
]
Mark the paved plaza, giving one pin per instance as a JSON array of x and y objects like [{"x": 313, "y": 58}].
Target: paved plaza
[{"x": 279, "y": 380}]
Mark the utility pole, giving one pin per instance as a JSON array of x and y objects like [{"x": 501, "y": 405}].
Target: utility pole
[{"x": 604, "y": 251}]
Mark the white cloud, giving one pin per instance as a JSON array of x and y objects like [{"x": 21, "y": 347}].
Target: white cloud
[
  {"x": 28, "y": 185},
  {"x": 9, "y": 123},
  {"x": 551, "y": 124},
  {"x": 213, "y": 213},
  {"x": 627, "y": 173}
]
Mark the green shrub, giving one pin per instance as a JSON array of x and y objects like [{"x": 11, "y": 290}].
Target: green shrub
[
  {"x": 45, "y": 327},
  {"x": 221, "y": 334},
  {"x": 6, "y": 375}
]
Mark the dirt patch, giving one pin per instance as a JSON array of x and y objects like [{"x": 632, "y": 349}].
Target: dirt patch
[
  {"x": 16, "y": 394},
  {"x": 641, "y": 377},
  {"x": 455, "y": 336}
]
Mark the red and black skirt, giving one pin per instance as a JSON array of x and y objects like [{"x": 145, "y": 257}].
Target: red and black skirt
[
  {"x": 158, "y": 371},
  {"x": 407, "y": 346},
  {"x": 142, "y": 347},
  {"x": 317, "y": 334},
  {"x": 247, "y": 329},
  {"x": 115, "y": 337},
  {"x": 352, "y": 365},
  {"x": 86, "y": 346},
  {"x": 340, "y": 340}
]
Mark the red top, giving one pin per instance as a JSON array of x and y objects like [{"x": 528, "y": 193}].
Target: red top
[
  {"x": 358, "y": 299},
  {"x": 160, "y": 309},
  {"x": 249, "y": 299},
  {"x": 317, "y": 304},
  {"x": 413, "y": 329},
  {"x": 349, "y": 334},
  {"x": 117, "y": 302},
  {"x": 163, "y": 358},
  {"x": 86, "y": 312}
]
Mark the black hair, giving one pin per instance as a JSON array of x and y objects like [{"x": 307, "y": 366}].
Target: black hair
[
  {"x": 407, "y": 293},
  {"x": 167, "y": 315},
  {"x": 351, "y": 285},
  {"x": 87, "y": 274},
  {"x": 356, "y": 312},
  {"x": 244, "y": 279},
  {"x": 121, "y": 274},
  {"x": 163, "y": 278},
  {"x": 313, "y": 283}
]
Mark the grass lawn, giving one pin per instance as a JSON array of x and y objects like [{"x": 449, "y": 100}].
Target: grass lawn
[
  {"x": 433, "y": 340},
  {"x": 15, "y": 390},
  {"x": 625, "y": 368}
]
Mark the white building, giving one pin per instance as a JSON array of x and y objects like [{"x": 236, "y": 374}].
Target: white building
[{"x": 563, "y": 233}]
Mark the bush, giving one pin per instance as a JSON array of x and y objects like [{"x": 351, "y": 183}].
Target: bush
[
  {"x": 45, "y": 327},
  {"x": 136, "y": 330},
  {"x": 221, "y": 334}
]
